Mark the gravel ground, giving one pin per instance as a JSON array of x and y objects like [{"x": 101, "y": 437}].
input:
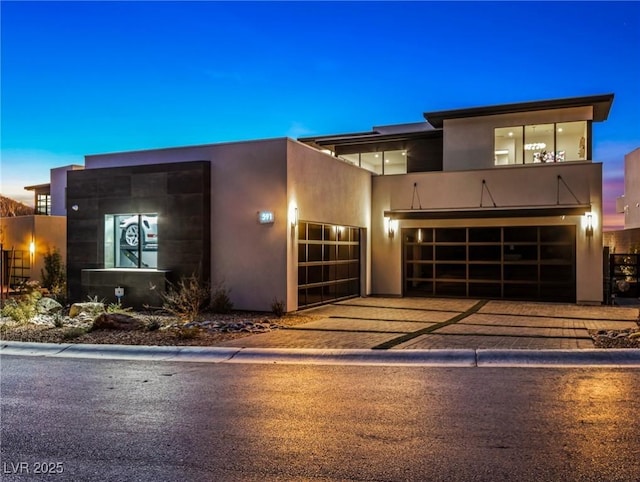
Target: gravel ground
[
  {"x": 209, "y": 330},
  {"x": 159, "y": 330}
]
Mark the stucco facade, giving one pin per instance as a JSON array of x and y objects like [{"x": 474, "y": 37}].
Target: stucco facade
[
  {"x": 423, "y": 209},
  {"x": 629, "y": 203},
  {"x": 25, "y": 240}
]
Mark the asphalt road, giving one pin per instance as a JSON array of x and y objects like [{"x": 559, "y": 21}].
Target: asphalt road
[{"x": 158, "y": 421}]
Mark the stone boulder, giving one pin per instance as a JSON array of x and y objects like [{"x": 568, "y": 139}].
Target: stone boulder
[
  {"x": 116, "y": 321},
  {"x": 47, "y": 306},
  {"x": 90, "y": 307}
]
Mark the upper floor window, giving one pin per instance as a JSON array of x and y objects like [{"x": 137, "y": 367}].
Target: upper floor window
[
  {"x": 541, "y": 143},
  {"x": 380, "y": 162},
  {"x": 131, "y": 240},
  {"x": 43, "y": 204}
]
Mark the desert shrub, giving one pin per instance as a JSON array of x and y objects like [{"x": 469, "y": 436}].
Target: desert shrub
[
  {"x": 187, "y": 298},
  {"x": 58, "y": 320},
  {"x": 22, "y": 308},
  {"x": 153, "y": 324},
  {"x": 190, "y": 333},
  {"x": 220, "y": 299},
  {"x": 117, "y": 308},
  {"x": 54, "y": 277},
  {"x": 73, "y": 332},
  {"x": 278, "y": 307}
]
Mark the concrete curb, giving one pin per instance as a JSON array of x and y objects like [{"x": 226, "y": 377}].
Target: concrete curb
[
  {"x": 482, "y": 358},
  {"x": 619, "y": 357}
]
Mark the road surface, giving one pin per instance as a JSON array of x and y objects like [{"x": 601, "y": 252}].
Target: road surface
[{"x": 157, "y": 421}]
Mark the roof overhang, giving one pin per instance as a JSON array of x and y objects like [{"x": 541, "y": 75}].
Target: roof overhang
[
  {"x": 369, "y": 138},
  {"x": 490, "y": 212},
  {"x": 601, "y": 106},
  {"x": 38, "y": 187}
]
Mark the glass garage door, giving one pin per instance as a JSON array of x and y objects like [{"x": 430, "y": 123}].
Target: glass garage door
[
  {"x": 328, "y": 263},
  {"x": 520, "y": 263}
]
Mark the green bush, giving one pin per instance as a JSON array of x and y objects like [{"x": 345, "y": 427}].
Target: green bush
[
  {"x": 117, "y": 308},
  {"x": 54, "y": 276},
  {"x": 22, "y": 308}
]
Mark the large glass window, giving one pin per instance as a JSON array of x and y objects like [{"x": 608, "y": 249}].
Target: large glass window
[
  {"x": 540, "y": 143},
  {"x": 371, "y": 161},
  {"x": 131, "y": 241},
  {"x": 380, "y": 162}
]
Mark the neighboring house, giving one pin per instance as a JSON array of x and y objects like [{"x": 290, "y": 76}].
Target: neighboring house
[
  {"x": 629, "y": 202},
  {"x": 24, "y": 241},
  {"x": 500, "y": 202},
  {"x": 624, "y": 244},
  {"x": 27, "y": 236},
  {"x": 627, "y": 240}
]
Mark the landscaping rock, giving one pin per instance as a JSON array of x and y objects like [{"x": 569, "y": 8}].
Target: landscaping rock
[
  {"x": 90, "y": 307},
  {"x": 117, "y": 321},
  {"x": 47, "y": 306}
]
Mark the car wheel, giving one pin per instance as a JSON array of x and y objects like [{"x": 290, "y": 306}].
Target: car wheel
[{"x": 131, "y": 235}]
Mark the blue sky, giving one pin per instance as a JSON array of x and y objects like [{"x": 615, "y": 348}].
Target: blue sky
[{"x": 93, "y": 77}]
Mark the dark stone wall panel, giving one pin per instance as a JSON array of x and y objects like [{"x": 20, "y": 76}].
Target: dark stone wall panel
[
  {"x": 178, "y": 192},
  {"x": 148, "y": 185},
  {"x": 114, "y": 186}
]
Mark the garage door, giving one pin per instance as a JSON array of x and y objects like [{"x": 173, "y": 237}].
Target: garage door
[
  {"x": 328, "y": 263},
  {"x": 520, "y": 263}
]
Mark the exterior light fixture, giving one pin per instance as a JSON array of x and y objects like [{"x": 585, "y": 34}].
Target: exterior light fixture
[
  {"x": 588, "y": 226},
  {"x": 32, "y": 248},
  {"x": 293, "y": 216},
  {"x": 392, "y": 227}
]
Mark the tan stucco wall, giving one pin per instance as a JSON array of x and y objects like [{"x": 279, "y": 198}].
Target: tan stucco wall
[
  {"x": 47, "y": 232},
  {"x": 519, "y": 186},
  {"x": 58, "y": 179},
  {"x": 632, "y": 189},
  {"x": 325, "y": 190},
  {"x": 468, "y": 143},
  {"x": 248, "y": 258},
  {"x": 258, "y": 262}
]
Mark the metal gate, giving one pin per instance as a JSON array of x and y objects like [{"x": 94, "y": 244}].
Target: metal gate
[{"x": 624, "y": 274}]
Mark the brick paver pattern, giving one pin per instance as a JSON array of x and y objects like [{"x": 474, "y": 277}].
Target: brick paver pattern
[{"x": 368, "y": 322}]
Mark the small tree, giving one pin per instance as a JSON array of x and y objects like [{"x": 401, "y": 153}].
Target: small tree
[{"x": 54, "y": 277}]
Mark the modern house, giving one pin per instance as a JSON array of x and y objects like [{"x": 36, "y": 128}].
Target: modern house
[{"x": 501, "y": 202}]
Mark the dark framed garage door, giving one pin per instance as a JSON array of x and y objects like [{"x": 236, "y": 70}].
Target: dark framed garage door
[
  {"x": 520, "y": 263},
  {"x": 328, "y": 263}
]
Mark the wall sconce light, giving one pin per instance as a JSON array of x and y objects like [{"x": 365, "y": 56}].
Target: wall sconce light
[
  {"x": 293, "y": 216},
  {"x": 32, "y": 248},
  {"x": 588, "y": 226},
  {"x": 392, "y": 227}
]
